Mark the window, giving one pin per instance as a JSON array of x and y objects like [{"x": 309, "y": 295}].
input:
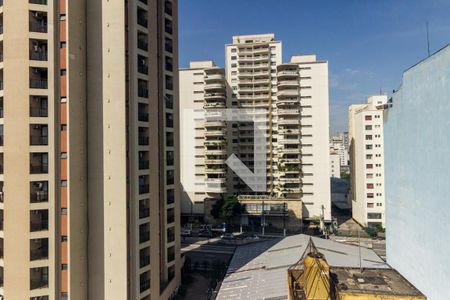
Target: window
[
  {"x": 369, "y": 205},
  {"x": 369, "y": 147},
  {"x": 370, "y": 195},
  {"x": 373, "y": 216},
  {"x": 368, "y": 137},
  {"x": 368, "y": 127},
  {"x": 369, "y": 185},
  {"x": 368, "y": 118},
  {"x": 369, "y": 166},
  {"x": 369, "y": 156}
]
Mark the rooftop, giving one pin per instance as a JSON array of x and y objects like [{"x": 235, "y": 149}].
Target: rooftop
[
  {"x": 372, "y": 281},
  {"x": 259, "y": 270}
]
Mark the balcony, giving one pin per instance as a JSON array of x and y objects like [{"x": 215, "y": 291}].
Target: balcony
[
  {"x": 142, "y": 18},
  {"x": 38, "y": 135},
  {"x": 38, "y": 249},
  {"x": 38, "y": 191},
  {"x": 38, "y": 163},
  {"x": 144, "y": 261},
  {"x": 38, "y": 220},
  {"x": 38, "y": 107},
  {"x": 170, "y": 216},
  {"x": 41, "y": 2},
  {"x": 170, "y": 196},
  {"x": 170, "y": 234},
  {"x": 144, "y": 233},
  {"x": 168, "y": 26},
  {"x": 142, "y": 41},
  {"x": 144, "y": 187},
  {"x": 142, "y": 65},
  {"x": 38, "y": 21},
  {"x": 144, "y": 282},
  {"x": 38, "y": 278},
  {"x": 142, "y": 88},
  {"x": 38, "y": 78},
  {"x": 144, "y": 209},
  {"x": 143, "y": 136}
]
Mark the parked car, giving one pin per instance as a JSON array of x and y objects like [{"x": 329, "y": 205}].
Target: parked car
[
  {"x": 227, "y": 236},
  {"x": 205, "y": 233},
  {"x": 186, "y": 232}
]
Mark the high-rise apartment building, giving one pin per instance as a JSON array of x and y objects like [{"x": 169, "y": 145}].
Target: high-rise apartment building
[
  {"x": 289, "y": 103},
  {"x": 89, "y": 203},
  {"x": 203, "y": 89},
  {"x": 367, "y": 161},
  {"x": 339, "y": 143},
  {"x": 417, "y": 145}
]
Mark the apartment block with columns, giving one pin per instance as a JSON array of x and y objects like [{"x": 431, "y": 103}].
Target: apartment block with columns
[
  {"x": 289, "y": 102},
  {"x": 89, "y": 199},
  {"x": 203, "y": 89}
]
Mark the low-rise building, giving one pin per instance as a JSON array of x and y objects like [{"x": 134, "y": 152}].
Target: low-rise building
[{"x": 335, "y": 166}]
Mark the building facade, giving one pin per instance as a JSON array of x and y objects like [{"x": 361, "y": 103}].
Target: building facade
[
  {"x": 203, "y": 89},
  {"x": 417, "y": 144},
  {"x": 367, "y": 161},
  {"x": 82, "y": 153},
  {"x": 335, "y": 165}
]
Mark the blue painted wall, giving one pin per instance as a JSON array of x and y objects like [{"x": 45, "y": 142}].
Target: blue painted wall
[{"x": 417, "y": 166}]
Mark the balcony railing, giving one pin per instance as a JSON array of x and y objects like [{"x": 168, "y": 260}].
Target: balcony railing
[
  {"x": 38, "y": 27},
  {"x": 42, "y": 2},
  {"x": 38, "y": 84},
  {"x": 38, "y": 140},
  {"x": 144, "y": 189},
  {"x": 144, "y": 261},
  {"x": 143, "y": 92},
  {"x": 38, "y": 56},
  {"x": 143, "y": 45},
  {"x": 42, "y": 169},
  {"x": 144, "y": 212},
  {"x": 38, "y": 112},
  {"x": 143, "y": 140},
  {"x": 38, "y": 284},
  {"x": 142, "y": 21},
  {"x": 144, "y": 236},
  {"x": 143, "y": 69},
  {"x": 39, "y": 226},
  {"x": 39, "y": 196},
  {"x": 39, "y": 254},
  {"x": 144, "y": 164},
  {"x": 143, "y": 116},
  {"x": 144, "y": 285}
]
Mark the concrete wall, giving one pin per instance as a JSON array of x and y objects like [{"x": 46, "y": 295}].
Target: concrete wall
[{"x": 417, "y": 147}]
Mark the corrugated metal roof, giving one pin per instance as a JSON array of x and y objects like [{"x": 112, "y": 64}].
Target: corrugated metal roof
[{"x": 258, "y": 271}]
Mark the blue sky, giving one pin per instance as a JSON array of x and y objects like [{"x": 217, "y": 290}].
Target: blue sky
[{"x": 368, "y": 43}]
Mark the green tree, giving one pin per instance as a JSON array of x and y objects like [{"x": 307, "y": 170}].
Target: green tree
[{"x": 226, "y": 208}]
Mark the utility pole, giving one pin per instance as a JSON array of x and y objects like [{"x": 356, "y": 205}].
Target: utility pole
[
  {"x": 263, "y": 219},
  {"x": 428, "y": 40},
  {"x": 284, "y": 219},
  {"x": 359, "y": 250}
]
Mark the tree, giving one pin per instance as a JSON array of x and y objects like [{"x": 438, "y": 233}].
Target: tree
[{"x": 227, "y": 208}]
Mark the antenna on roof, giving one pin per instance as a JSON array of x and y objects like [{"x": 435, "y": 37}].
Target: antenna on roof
[{"x": 428, "y": 40}]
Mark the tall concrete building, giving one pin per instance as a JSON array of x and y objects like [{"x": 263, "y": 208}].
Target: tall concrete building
[
  {"x": 417, "y": 145},
  {"x": 203, "y": 89},
  {"x": 367, "y": 161},
  {"x": 89, "y": 199},
  {"x": 340, "y": 143}
]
